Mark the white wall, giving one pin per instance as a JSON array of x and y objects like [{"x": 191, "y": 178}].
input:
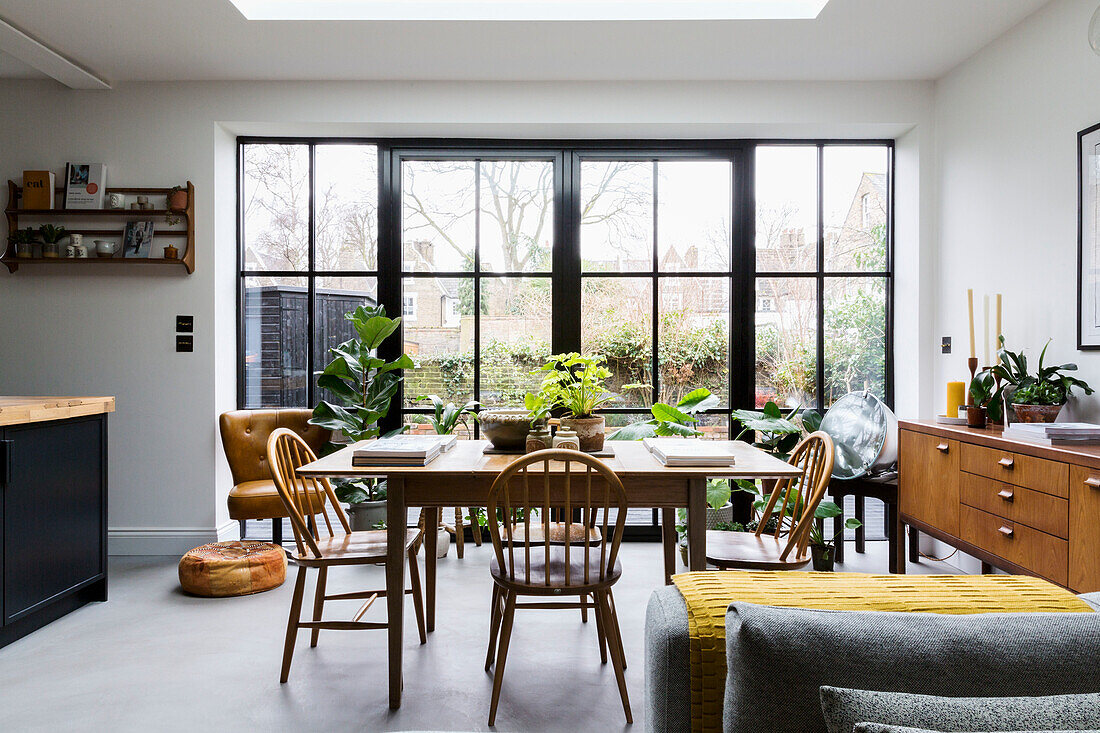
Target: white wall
[
  {"x": 111, "y": 332},
  {"x": 1006, "y": 125}
]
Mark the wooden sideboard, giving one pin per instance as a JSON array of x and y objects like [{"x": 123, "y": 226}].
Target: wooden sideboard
[{"x": 1020, "y": 507}]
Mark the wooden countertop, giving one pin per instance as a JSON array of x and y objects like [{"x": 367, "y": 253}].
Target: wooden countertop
[
  {"x": 991, "y": 438},
  {"x": 23, "y": 410}
]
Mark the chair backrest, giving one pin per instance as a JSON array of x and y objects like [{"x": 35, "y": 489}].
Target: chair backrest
[
  {"x": 245, "y": 433},
  {"x": 303, "y": 496},
  {"x": 799, "y": 496},
  {"x": 529, "y": 485}
]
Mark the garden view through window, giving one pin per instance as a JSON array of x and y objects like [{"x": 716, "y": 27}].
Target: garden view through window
[{"x": 500, "y": 257}]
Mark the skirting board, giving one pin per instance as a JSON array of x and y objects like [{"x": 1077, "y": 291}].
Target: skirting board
[{"x": 166, "y": 540}]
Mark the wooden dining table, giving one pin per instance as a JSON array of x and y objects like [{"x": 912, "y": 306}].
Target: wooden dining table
[{"x": 463, "y": 476}]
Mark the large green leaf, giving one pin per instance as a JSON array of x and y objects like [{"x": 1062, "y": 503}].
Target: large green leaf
[
  {"x": 635, "y": 431},
  {"x": 338, "y": 387},
  {"x": 667, "y": 413},
  {"x": 402, "y": 362},
  {"x": 375, "y": 330},
  {"x": 698, "y": 400},
  {"x": 336, "y": 418},
  {"x": 827, "y": 510},
  {"x": 666, "y": 429}
]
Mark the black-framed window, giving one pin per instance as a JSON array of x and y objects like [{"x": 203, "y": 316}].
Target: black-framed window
[{"x": 758, "y": 269}]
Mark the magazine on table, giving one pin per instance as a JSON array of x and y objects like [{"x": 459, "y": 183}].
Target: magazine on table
[{"x": 689, "y": 452}]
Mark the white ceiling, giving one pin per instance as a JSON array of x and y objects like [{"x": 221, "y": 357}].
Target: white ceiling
[{"x": 163, "y": 40}]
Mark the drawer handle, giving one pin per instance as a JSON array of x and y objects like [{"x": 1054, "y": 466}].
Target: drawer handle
[
  {"x": 1093, "y": 482},
  {"x": 1006, "y": 494},
  {"x": 942, "y": 447},
  {"x": 1006, "y": 531},
  {"x": 1007, "y": 463}
]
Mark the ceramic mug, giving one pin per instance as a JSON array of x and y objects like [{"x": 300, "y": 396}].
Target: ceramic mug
[
  {"x": 104, "y": 248},
  {"x": 116, "y": 201},
  {"x": 70, "y": 251},
  {"x": 80, "y": 252}
]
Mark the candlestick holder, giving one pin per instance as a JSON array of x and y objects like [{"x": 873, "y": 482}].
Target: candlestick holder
[{"x": 972, "y": 364}]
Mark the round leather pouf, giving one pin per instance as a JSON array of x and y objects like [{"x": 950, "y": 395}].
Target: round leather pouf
[{"x": 233, "y": 568}]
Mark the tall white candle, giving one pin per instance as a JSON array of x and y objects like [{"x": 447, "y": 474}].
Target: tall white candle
[
  {"x": 970, "y": 313},
  {"x": 985, "y": 325}
]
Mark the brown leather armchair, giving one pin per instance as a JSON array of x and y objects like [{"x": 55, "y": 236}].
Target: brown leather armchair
[{"x": 244, "y": 438}]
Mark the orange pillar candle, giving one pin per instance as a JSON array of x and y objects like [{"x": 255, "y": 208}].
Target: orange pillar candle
[{"x": 956, "y": 398}]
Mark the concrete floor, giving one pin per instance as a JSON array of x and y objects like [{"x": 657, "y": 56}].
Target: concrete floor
[{"x": 154, "y": 659}]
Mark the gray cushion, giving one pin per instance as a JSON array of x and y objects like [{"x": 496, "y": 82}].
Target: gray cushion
[
  {"x": 1093, "y": 599},
  {"x": 779, "y": 657},
  {"x": 880, "y": 728},
  {"x": 844, "y": 708},
  {"x": 667, "y": 666}
]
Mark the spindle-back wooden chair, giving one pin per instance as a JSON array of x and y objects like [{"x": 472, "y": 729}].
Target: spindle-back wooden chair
[
  {"x": 535, "y": 490},
  {"x": 797, "y": 497},
  {"x": 321, "y": 545}
]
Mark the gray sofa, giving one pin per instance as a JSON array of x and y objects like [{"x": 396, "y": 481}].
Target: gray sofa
[{"x": 778, "y": 658}]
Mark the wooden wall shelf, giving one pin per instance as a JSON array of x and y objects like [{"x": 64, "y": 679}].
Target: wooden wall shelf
[{"x": 187, "y": 218}]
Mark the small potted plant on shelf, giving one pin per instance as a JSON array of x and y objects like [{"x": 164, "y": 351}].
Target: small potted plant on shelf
[
  {"x": 361, "y": 385},
  {"x": 823, "y": 547},
  {"x": 575, "y": 383},
  {"x": 176, "y": 200},
  {"x": 22, "y": 242},
  {"x": 1035, "y": 397},
  {"x": 51, "y": 240},
  {"x": 982, "y": 394}
]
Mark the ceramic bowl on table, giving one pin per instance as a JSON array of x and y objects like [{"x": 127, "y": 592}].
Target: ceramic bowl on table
[{"x": 505, "y": 428}]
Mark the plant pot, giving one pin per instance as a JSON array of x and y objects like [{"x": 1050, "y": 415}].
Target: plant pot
[
  {"x": 366, "y": 515},
  {"x": 177, "y": 201},
  {"x": 51, "y": 250},
  {"x": 823, "y": 557},
  {"x": 442, "y": 543},
  {"x": 975, "y": 416},
  {"x": 590, "y": 431},
  {"x": 715, "y": 516},
  {"x": 171, "y": 253},
  {"x": 506, "y": 429},
  {"x": 24, "y": 250},
  {"x": 1036, "y": 413}
]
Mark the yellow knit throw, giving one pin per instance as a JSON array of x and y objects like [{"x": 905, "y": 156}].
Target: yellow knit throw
[{"x": 708, "y": 595}]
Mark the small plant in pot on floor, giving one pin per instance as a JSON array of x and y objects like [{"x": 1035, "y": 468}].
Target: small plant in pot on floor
[
  {"x": 361, "y": 385},
  {"x": 445, "y": 419},
  {"x": 823, "y": 547},
  {"x": 1035, "y": 397}
]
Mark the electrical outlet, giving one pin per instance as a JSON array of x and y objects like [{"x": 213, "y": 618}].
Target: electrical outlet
[{"x": 945, "y": 345}]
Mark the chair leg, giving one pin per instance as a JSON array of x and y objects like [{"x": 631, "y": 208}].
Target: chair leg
[
  {"x": 292, "y": 623},
  {"x": 584, "y": 610},
  {"x": 418, "y": 598},
  {"x": 616, "y": 659},
  {"x": 244, "y": 527},
  {"x": 615, "y": 620},
  {"x": 460, "y": 535},
  {"x": 601, "y": 632},
  {"x": 502, "y": 653},
  {"x": 861, "y": 530},
  {"x": 494, "y": 627},
  {"x": 277, "y": 531},
  {"x": 318, "y": 603}
]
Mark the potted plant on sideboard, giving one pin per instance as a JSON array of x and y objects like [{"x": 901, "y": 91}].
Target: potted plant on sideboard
[
  {"x": 575, "y": 383},
  {"x": 982, "y": 396},
  {"x": 361, "y": 385},
  {"x": 1035, "y": 397}
]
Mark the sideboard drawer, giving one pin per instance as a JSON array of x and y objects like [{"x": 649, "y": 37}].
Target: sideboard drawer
[
  {"x": 1049, "y": 477},
  {"x": 1041, "y": 553},
  {"x": 1044, "y": 512},
  {"x": 1084, "y": 530}
]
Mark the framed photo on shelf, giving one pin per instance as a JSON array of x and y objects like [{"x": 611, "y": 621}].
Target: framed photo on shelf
[
  {"x": 138, "y": 239},
  {"x": 1088, "y": 238}
]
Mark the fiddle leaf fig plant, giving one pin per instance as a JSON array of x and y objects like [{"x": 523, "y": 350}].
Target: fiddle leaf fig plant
[{"x": 364, "y": 384}]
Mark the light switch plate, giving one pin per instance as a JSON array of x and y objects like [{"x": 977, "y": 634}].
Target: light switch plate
[{"x": 945, "y": 345}]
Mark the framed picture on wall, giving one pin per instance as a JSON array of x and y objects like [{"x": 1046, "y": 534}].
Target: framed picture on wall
[{"x": 1088, "y": 238}]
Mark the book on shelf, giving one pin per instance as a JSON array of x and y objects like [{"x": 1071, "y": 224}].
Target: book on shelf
[
  {"x": 137, "y": 240},
  {"x": 689, "y": 452},
  {"x": 85, "y": 185},
  {"x": 38, "y": 189},
  {"x": 1054, "y": 434}
]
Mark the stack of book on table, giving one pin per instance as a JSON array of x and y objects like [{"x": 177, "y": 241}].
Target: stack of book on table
[
  {"x": 402, "y": 450},
  {"x": 689, "y": 452},
  {"x": 1063, "y": 434}
]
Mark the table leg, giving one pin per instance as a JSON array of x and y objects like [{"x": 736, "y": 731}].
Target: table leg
[
  {"x": 669, "y": 540},
  {"x": 396, "y": 519},
  {"x": 861, "y": 530},
  {"x": 914, "y": 544},
  {"x": 895, "y": 533},
  {"x": 431, "y": 544},
  {"x": 697, "y": 524}
]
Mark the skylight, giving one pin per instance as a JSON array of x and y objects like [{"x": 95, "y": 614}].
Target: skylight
[{"x": 530, "y": 10}]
